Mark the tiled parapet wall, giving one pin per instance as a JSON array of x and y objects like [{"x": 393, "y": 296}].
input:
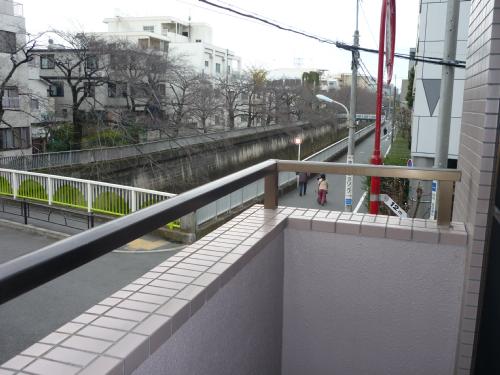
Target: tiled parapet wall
[
  {"x": 379, "y": 226},
  {"x": 368, "y": 294},
  {"x": 121, "y": 332}
]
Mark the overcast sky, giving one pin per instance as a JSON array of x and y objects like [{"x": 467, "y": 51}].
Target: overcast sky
[{"x": 257, "y": 44}]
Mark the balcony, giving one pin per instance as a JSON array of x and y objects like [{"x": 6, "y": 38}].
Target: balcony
[
  {"x": 275, "y": 290},
  {"x": 10, "y": 102}
]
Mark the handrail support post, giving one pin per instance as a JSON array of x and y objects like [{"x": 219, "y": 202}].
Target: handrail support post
[
  {"x": 271, "y": 189},
  {"x": 445, "y": 200}
]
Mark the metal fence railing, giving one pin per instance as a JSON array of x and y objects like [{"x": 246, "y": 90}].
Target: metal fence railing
[
  {"x": 78, "y": 157},
  {"x": 119, "y": 200},
  {"x": 92, "y": 196}
]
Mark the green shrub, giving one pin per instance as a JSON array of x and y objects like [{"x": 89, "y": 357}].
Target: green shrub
[
  {"x": 60, "y": 138},
  {"x": 69, "y": 196},
  {"x": 33, "y": 190},
  {"x": 110, "y": 203},
  {"x": 5, "y": 187},
  {"x": 106, "y": 138}
]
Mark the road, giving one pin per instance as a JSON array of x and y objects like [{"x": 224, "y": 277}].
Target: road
[
  {"x": 32, "y": 316},
  {"x": 335, "y": 197}
]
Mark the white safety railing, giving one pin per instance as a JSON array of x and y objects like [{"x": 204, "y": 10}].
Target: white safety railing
[{"x": 92, "y": 196}]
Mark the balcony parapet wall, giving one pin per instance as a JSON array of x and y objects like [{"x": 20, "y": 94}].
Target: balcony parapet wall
[{"x": 238, "y": 275}]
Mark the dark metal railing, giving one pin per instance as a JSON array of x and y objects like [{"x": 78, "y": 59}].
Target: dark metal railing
[{"x": 32, "y": 270}]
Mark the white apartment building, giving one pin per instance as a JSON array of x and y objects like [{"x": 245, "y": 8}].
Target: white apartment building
[
  {"x": 192, "y": 41},
  {"x": 15, "y": 138},
  {"x": 427, "y": 82}
]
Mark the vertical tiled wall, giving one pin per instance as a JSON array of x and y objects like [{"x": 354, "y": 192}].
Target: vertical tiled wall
[{"x": 479, "y": 133}]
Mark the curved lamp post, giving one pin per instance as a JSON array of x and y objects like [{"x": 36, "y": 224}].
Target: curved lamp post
[{"x": 350, "y": 151}]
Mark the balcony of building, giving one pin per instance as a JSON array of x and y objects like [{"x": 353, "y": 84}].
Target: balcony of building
[{"x": 276, "y": 290}]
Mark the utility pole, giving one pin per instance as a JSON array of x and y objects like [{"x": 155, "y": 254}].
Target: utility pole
[
  {"x": 446, "y": 94},
  {"x": 352, "y": 111},
  {"x": 393, "y": 121}
]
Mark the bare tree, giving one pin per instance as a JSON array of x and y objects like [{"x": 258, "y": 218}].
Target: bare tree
[
  {"x": 182, "y": 82},
  {"x": 207, "y": 101},
  {"x": 83, "y": 66},
  {"x": 233, "y": 89},
  {"x": 20, "y": 53},
  {"x": 140, "y": 73}
]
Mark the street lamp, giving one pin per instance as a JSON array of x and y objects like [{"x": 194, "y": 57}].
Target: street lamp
[
  {"x": 350, "y": 152},
  {"x": 298, "y": 142}
]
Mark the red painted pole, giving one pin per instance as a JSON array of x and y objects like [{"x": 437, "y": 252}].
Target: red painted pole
[{"x": 376, "y": 157}]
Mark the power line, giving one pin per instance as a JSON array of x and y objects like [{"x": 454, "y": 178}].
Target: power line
[
  {"x": 341, "y": 45},
  {"x": 366, "y": 70},
  {"x": 367, "y": 24}
]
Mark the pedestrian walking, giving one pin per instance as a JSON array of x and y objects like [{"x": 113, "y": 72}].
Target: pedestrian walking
[
  {"x": 322, "y": 189},
  {"x": 303, "y": 177}
]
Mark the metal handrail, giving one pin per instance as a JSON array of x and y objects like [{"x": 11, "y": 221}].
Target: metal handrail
[
  {"x": 445, "y": 177},
  {"x": 32, "y": 270},
  {"x": 370, "y": 170}
]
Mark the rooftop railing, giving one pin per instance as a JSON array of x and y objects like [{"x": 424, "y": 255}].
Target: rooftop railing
[{"x": 32, "y": 270}]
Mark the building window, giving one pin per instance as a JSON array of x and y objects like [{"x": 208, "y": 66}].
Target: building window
[
  {"x": 117, "y": 90},
  {"x": 91, "y": 62},
  {"x": 198, "y": 40},
  {"x": 56, "y": 89},
  {"x": 10, "y": 98},
  {"x": 162, "y": 89},
  {"x": 15, "y": 138},
  {"x": 149, "y": 28},
  {"x": 217, "y": 67},
  {"x": 7, "y": 42},
  {"x": 206, "y": 63},
  {"x": 47, "y": 62},
  {"x": 34, "y": 104},
  {"x": 89, "y": 89}
]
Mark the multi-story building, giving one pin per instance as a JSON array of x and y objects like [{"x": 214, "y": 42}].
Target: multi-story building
[
  {"x": 427, "y": 86},
  {"x": 191, "y": 41},
  {"x": 15, "y": 138},
  {"x": 293, "y": 77},
  {"x": 427, "y": 82},
  {"x": 188, "y": 44},
  {"x": 364, "y": 81}
]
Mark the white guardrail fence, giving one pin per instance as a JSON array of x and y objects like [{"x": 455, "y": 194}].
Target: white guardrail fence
[{"x": 113, "y": 199}]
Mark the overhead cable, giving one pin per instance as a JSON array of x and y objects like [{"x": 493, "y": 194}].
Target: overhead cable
[{"x": 341, "y": 45}]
